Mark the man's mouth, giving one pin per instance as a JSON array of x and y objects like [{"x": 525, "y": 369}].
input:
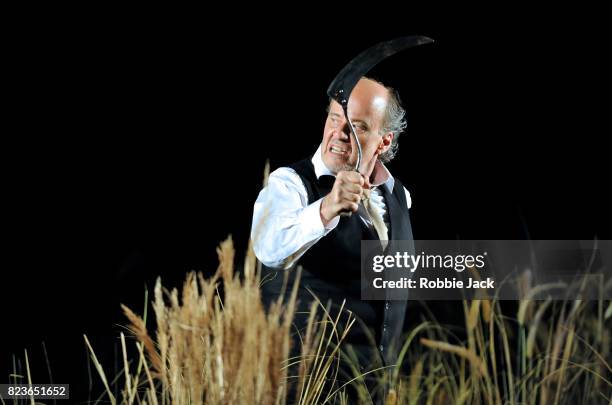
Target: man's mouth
[{"x": 338, "y": 150}]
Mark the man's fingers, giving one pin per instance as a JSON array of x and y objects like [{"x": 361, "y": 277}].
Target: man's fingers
[
  {"x": 352, "y": 188},
  {"x": 351, "y": 197},
  {"x": 356, "y": 178},
  {"x": 350, "y": 177},
  {"x": 345, "y": 195},
  {"x": 350, "y": 206}
]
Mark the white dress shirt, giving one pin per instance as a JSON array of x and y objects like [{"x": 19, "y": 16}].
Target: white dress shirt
[{"x": 285, "y": 226}]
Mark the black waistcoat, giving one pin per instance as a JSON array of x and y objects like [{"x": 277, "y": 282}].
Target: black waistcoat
[{"x": 331, "y": 267}]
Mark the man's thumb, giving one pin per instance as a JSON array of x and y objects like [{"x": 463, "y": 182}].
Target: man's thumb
[{"x": 366, "y": 182}]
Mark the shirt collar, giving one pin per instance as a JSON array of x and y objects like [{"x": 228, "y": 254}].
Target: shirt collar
[{"x": 381, "y": 173}]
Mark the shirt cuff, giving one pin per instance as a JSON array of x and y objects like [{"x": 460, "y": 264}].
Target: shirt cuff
[{"x": 311, "y": 217}]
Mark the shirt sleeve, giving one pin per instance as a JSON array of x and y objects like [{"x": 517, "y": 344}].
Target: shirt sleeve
[{"x": 284, "y": 225}]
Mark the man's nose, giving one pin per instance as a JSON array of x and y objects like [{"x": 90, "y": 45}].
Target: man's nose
[{"x": 344, "y": 131}]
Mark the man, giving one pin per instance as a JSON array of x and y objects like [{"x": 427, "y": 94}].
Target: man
[{"x": 299, "y": 217}]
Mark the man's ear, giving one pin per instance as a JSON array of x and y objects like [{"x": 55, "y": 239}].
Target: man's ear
[{"x": 385, "y": 143}]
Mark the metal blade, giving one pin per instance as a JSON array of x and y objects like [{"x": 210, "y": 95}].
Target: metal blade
[{"x": 341, "y": 87}]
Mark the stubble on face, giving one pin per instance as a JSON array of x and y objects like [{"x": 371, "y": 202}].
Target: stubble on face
[{"x": 337, "y": 148}]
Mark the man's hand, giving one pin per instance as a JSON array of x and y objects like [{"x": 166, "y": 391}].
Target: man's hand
[{"x": 344, "y": 196}]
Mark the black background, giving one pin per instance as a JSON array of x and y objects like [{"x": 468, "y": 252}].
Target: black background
[{"x": 135, "y": 145}]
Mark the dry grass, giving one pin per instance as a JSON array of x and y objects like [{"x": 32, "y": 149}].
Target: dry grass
[
  {"x": 215, "y": 343},
  {"x": 560, "y": 354},
  {"x": 222, "y": 348},
  {"x": 214, "y": 347}
]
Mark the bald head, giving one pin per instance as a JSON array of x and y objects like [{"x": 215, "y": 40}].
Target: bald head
[{"x": 369, "y": 98}]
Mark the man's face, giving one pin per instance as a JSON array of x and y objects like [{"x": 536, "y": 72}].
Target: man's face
[{"x": 366, "y": 110}]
